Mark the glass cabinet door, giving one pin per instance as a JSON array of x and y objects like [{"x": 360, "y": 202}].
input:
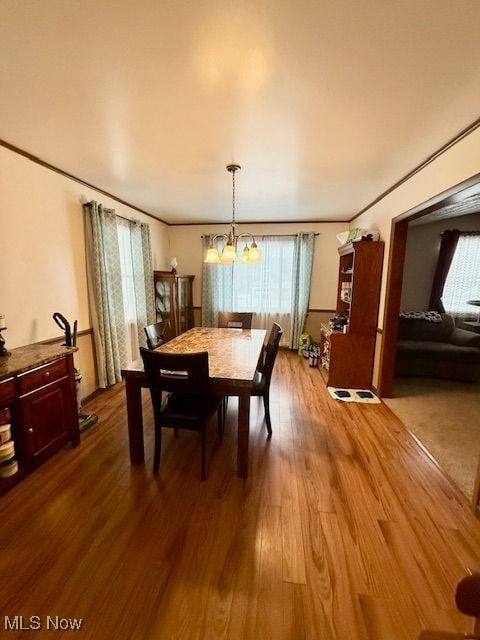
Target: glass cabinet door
[
  {"x": 173, "y": 300},
  {"x": 184, "y": 303}
]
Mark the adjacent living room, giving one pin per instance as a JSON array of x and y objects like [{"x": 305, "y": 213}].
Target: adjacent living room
[{"x": 436, "y": 391}]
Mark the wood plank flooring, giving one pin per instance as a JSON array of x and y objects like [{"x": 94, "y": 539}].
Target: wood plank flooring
[{"x": 345, "y": 529}]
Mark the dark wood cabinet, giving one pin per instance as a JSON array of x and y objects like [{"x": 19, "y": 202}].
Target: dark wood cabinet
[
  {"x": 43, "y": 407},
  {"x": 174, "y": 300},
  {"x": 347, "y": 356},
  {"x": 7, "y": 392},
  {"x": 45, "y": 418}
]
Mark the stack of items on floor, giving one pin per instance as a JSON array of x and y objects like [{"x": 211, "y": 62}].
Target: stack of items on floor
[
  {"x": 8, "y": 463},
  {"x": 309, "y": 349},
  {"x": 313, "y": 355}
]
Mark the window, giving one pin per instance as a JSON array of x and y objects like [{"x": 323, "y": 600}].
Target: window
[
  {"x": 266, "y": 286},
  {"x": 128, "y": 287},
  {"x": 463, "y": 279},
  {"x": 276, "y": 289}
]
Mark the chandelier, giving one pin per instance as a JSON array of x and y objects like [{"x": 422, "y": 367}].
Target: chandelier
[{"x": 228, "y": 254}]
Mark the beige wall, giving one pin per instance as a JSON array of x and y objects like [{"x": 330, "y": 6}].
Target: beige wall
[
  {"x": 314, "y": 321},
  {"x": 423, "y": 245},
  {"x": 454, "y": 166},
  {"x": 42, "y": 253},
  {"x": 186, "y": 245}
]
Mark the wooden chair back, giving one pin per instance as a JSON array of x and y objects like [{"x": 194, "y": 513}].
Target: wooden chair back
[
  {"x": 234, "y": 320},
  {"x": 157, "y": 334},
  {"x": 182, "y": 373},
  {"x": 271, "y": 350}
]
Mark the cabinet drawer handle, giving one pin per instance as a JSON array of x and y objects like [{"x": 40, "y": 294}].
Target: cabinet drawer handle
[
  {"x": 47, "y": 374},
  {"x": 30, "y": 430}
]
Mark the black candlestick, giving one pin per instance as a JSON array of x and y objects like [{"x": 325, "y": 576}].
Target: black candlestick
[{"x": 3, "y": 350}]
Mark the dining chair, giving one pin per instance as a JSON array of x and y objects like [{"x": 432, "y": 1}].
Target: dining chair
[
  {"x": 234, "y": 320},
  {"x": 263, "y": 375},
  {"x": 157, "y": 334},
  {"x": 189, "y": 405}
]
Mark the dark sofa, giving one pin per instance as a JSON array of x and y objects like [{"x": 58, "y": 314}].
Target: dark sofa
[{"x": 437, "y": 350}]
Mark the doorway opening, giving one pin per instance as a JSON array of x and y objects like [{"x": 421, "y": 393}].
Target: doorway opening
[{"x": 418, "y": 399}]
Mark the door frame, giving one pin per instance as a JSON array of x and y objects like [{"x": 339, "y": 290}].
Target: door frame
[{"x": 398, "y": 242}]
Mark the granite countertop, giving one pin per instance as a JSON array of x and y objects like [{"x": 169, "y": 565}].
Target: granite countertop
[
  {"x": 232, "y": 353},
  {"x": 31, "y": 356}
]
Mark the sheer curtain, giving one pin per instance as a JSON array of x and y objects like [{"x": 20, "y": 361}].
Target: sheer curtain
[
  {"x": 137, "y": 282},
  {"x": 276, "y": 289},
  {"x": 142, "y": 277},
  {"x": 128, "y": 288},
  {"x": 463, "y": 279},
  {"x": 266, "y": 287}
]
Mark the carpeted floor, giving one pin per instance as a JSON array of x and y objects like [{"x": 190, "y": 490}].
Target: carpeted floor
[{"x": 445, "y": 417}]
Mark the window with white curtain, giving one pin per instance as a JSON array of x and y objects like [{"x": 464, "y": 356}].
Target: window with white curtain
[
  {"x": 128, "y": 287},
  {"x": 463, "y": 279},
  {"x": 266, "y": 286},
  {"x": 276, "y": 289}
]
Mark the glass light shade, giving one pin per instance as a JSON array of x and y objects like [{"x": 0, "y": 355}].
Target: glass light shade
[
  {"x": 254, "y": 253},
  {"x": 246, "y": 254},
  {"x": 212, "y": 256},
  {"x": 228, "y": 254}
]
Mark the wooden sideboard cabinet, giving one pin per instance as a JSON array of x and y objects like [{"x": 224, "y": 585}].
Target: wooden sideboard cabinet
[
  {"x": 347, "y": 356},
  {"x": 174, "y": 300},
  {"x": 40, "y": 394}
]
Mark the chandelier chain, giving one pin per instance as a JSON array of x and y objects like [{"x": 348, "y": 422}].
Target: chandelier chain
[
  {"x": 229, "y": 252},
  {"x": 233, "y": 197}
]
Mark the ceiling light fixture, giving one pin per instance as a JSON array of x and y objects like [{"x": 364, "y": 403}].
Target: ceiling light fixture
[{"x": 229, "y": 252}]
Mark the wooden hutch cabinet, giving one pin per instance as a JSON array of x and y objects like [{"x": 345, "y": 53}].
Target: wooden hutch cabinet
[
  {"x": 347, "y": 356},
  {"x": 174, "y": 300}
]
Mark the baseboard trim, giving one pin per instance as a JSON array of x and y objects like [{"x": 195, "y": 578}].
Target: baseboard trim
[
  {"x": 92, "y": 396},
  {"x": 83, "y": 332}
]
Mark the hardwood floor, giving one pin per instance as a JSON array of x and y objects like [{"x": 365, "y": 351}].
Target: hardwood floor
[{"x": 345, "y": 529}]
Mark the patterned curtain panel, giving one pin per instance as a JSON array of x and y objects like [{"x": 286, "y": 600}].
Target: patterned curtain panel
[
  {"x": 302, "y": 277},
  {"x": 217, "y": 287},
  {"x": 142, "y": 277},
  {"x": 105, "y": 292}
]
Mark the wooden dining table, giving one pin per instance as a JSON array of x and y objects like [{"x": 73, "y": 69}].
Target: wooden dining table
[{"x": 233, "y": 356}]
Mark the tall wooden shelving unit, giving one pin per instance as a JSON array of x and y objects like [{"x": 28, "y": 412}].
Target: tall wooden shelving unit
[{"x": 348, "y": 356}]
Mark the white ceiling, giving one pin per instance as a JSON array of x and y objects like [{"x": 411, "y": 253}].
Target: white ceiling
[{"x": 324, "y": 103}]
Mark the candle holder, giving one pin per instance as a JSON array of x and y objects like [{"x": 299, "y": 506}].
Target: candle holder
[{"x": 3, "y": 350}]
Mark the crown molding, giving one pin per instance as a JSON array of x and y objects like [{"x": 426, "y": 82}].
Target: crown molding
[
  {"x": 448, "y": 145},
  {"x": 70, "y": 176}
]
